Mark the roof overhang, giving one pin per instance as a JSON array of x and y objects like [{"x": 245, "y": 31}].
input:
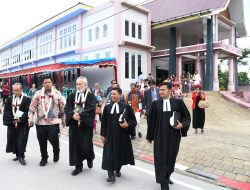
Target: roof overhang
[
  {"x": 135, "y": 7},
  {"x": 181, "y": 19},
  {"x": 236, "y": 8}
]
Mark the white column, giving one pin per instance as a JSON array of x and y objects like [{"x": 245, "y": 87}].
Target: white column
[
  {"x": 231, "y": 82},
  {"x": 198, "y": 64},
  {"x": 178, "y": 67},
  {"x": 216, "y": 80},
  {"x": 178, "y": 58},
  {"x": 232, "y": 36}
]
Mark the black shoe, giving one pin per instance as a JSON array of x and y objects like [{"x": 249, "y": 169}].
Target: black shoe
[
  {"x": 118, "y": 173},
  {"x": 111, "y": 179},
  {"x": 15, "y": 159},
  {"x": 43, "y": 162},
  {"x": 170, "y": 182},
  {"x": 22, "y": 161},
  {"x": 90, "y": 163},
  {"x": 76, "y": 171},
  {"x": 139, "y": 135},
  {"x": 56, "y": 157}
]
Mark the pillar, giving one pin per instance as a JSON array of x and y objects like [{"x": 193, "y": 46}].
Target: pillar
[
  {"x": 231, "y": 70},
  {"x": 208, "y": 85},
  {"x": 178, "y": 58},
  {"x": 216, "y": 76},
  {"x": 172, "y": 59},
  {"x": 179, "y": 67}
]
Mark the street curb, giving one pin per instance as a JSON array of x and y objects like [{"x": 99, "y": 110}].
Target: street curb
[
  {"x": 233, "y": 183},
  {"x": 221, "y": 180}
]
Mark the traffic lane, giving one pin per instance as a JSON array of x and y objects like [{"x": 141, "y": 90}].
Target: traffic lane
[{"x": 57, "y": 175}]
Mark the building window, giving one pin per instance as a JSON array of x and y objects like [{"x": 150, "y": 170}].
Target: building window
[
  {"x": 139, "y": 32},
  {"x": 126, "y": 27},
  {"x": 126, "y": 65},
  {"x": 97, "y": 33},
  {"x": 74, "y": 39},
  {"x": 133, "y": 66},
  {"x": 107, "y": 54},
  {"x": 105, "y": 30},
  {"x": 133, "y": 29},
  {"x": 97, "y": 56},
  {"x": 90, "y": 35},
  {"x": 139, "y": 64}
]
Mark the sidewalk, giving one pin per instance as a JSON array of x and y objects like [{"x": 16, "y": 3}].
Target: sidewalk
[{"x": 221, "y": 154}]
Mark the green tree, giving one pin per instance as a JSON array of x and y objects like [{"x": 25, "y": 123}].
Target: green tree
[
  {"x": 245, "y": 55},
  {"x": 223, "y": 79},
  {"x": 243, "y": 78}
]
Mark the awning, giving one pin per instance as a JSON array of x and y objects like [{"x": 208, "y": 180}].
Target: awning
[{"x": 61, "y": 66}]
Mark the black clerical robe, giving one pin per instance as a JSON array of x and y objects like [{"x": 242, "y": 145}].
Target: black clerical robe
[
  {"x": 80, "y": 138},
  {"x": 166, "y": 138},
  {"x": 117, "y": 150},
  {"x": 17, "y": 138}
]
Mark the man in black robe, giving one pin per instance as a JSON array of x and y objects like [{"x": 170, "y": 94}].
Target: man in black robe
[
  {"x": 117, "y": 150},
  {"x": 80, "y": 114},
  {"x": 16, "y": 118},
  {"x": 166, "y": 133}
]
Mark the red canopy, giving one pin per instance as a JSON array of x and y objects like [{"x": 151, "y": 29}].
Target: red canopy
[{"x": 53, "y": 67}]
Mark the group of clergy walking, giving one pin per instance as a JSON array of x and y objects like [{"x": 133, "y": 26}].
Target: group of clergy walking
[{"x": 47, "y": 111}]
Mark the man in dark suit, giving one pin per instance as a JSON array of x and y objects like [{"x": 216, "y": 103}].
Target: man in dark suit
[{"x": 150, "y": 95}]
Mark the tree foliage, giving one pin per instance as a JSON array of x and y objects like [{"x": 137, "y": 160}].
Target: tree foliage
[{"x": 245, "y": 55}]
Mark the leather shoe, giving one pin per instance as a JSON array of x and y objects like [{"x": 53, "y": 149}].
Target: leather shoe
[
  {"x": 139, "y": 135},
  {"x": 118, "y": 173},
  {"x": 43, "y": 162},
  {"x": 56, "y": 157},
  {"x": 170, "y": 182},
  {"x": 22, "y": 161},
  {"x": 90, "y": 163},
  {"x": 76, "y": 171},
  {"x": 15, "y": 159},
  {"x": 111, "y": 179}
]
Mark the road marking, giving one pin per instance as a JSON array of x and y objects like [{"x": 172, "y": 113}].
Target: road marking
[{"x": 150, "y": 173}]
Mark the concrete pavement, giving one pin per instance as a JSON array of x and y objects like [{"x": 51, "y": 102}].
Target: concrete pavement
[{"x": 221, "y": 154}]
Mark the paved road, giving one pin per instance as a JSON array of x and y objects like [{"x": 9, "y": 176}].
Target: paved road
[{"x": 57, "y": 175}]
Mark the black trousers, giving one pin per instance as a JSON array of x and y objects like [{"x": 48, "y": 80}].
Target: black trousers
[{"x": 48, "y": 133}]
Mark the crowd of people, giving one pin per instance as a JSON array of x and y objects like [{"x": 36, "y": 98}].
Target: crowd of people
[{"x": 168, "y": 120}]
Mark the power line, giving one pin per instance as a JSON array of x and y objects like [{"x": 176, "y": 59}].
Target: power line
[{"x": 80, "y": 29}]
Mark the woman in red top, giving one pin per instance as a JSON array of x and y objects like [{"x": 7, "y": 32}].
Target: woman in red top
[{"x": 198, "y": 113}]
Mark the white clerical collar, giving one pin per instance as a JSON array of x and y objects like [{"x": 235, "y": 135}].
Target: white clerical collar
[
  {"x": 81, "y": 95},
  {"x": 166, "y": 105},
  {"x": 115, "y": 106}
]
